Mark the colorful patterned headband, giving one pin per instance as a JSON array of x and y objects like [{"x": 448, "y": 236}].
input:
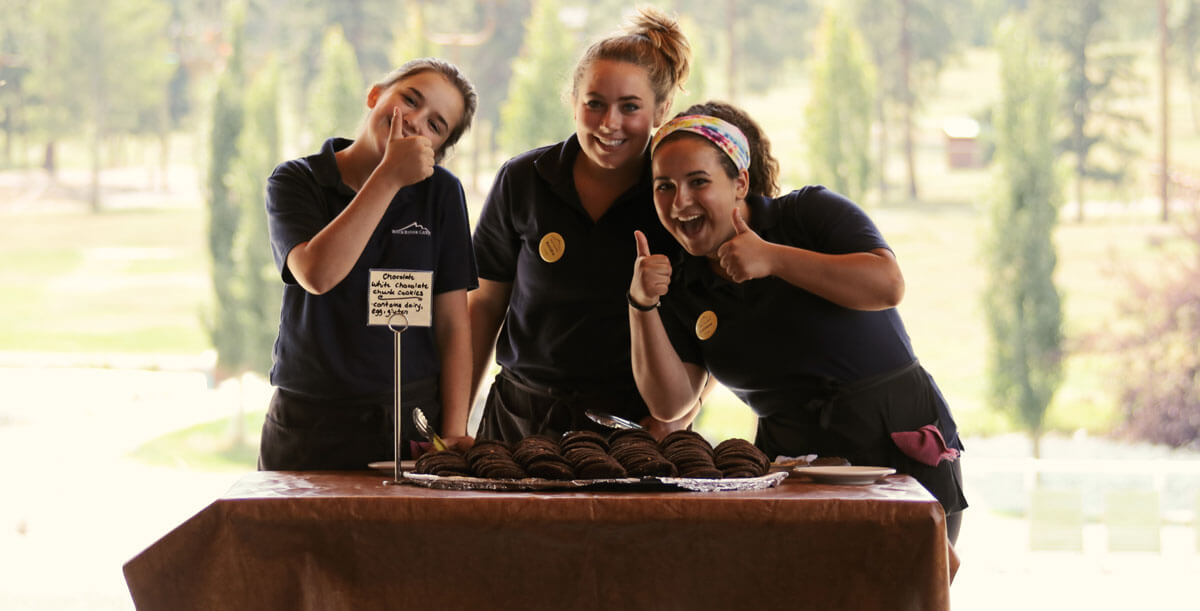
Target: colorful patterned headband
[{"x": 722, "y": 133}]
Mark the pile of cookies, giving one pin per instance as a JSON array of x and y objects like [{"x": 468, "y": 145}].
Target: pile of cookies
[
  {"x": 589, "y": 455},
  {"x": 541, "y": 456},
  {"x": 637, "y": 451},
  {"x": 739, "y": 458},
  {"x": 493, "y": 460},
  {"x": 691, "y": 453}
]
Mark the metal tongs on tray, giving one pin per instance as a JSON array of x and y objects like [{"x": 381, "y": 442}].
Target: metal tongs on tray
[
  {"x": 610, "y": 421},
  {"x": 427, "y": 431}
]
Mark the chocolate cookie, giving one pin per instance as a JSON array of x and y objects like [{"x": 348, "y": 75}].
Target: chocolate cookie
[{"x": 443, "y": 463}]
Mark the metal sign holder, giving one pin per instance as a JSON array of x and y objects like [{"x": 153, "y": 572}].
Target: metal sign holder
[{"x": 396, "y": 401}]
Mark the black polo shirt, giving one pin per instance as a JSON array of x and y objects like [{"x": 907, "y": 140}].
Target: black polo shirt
[
  {"x": 775, "y": 345},
  {"x": 567, "y": 324},
  {"x": 325, "y": 347}
]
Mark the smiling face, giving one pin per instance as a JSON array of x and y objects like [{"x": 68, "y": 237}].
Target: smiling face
[
  {"x": 694, "y": 195},
  {"x": 429, "y": 106},
  {"x": 615, "y": 111}
]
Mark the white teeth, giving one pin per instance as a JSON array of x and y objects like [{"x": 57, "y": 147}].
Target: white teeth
[
  {"x": 686, "y": 219},
  {"x": 610, "y": 142}
]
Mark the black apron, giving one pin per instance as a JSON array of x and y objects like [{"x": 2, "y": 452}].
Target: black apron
[
  {"x": 303, "y": 433},
  {"x": 516, "y": 409},
  {"x": 855, "y": 421}
]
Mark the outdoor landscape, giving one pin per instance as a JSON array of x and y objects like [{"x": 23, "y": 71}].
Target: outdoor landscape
[{"x": 123, "y": 417}]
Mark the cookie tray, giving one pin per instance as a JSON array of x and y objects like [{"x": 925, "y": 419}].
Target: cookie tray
[{"x": 625, "y": 484}]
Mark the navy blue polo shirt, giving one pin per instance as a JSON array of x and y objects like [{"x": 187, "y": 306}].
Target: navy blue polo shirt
[
  {"x": 325, "y": 347},
  {"x": 567, "y": 324},
  {"x": 775, "y": 345}
]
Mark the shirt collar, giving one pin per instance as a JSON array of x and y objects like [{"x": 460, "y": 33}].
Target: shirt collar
[
  {"x": 324, "y": 163},
  {"x": 556, "y": 165}
]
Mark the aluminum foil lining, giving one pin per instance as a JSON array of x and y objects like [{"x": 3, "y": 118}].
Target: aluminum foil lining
[{"x": 644, "y": 484}]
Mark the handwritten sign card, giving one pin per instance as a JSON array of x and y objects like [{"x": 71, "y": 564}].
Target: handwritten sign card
[{"x": 393, "y": 291}]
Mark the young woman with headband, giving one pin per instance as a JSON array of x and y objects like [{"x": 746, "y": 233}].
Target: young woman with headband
[
  {"x": 552, "y": 246},
  {"x": 789, "y": 302}
]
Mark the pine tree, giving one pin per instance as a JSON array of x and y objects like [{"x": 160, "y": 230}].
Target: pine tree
[
  {"x": 223, "y": 212},
  {"x": 533, "y": 114},
  {"x": 259, "y": 289},
  {"x": 98, "y": 71},
  {"x": 1100, "y": 82},
  {"x": 838, "y": 116},
  {"x": 1021, "y": 301}
]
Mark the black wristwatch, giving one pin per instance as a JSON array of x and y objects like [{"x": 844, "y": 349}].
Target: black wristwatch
[{"x": 637, "y": 306}]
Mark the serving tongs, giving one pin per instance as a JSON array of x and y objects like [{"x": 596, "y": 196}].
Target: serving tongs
[
  {"x": 427, "y": 431},
  {"x": 610, "y": 421}
]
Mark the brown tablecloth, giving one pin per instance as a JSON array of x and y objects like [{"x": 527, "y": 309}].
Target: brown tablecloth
[{"x": 325, "y": 540}]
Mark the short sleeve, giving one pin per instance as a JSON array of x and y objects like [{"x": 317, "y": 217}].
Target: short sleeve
[
  {"x": 497, "y": 242},
  {"x": 681, "y": 332},
  {"x": 822, "y": 220},
  {"x": 294, "y": 212}
]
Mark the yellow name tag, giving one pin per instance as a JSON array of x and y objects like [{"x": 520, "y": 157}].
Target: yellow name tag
[
  {"x": 706, "y": 325},
  {"x": 551, "y": 247}
]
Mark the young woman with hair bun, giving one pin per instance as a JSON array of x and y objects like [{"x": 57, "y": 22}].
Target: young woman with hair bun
[{"x": 552, "y": 246}]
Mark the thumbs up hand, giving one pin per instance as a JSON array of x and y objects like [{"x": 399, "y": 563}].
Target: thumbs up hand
[
  {"x": 651, "y": 273},
  {"x": 745, "y": 256}
]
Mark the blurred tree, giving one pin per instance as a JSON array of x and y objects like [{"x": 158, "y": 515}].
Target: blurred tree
[
  {"x": 489, "y": 66},
  {"x": 1023, "y": 309},
  {"x": 838, "y": 117},
  {"x": 16, "y": 46},
  {"x": 534, "y": 113},
  {"x": 408, "y": 39},
  {"x": 224, "y": 215},
  {"x": 910, "y": 42},
  {"x": 755, "y": 40},
  {"x": 337, "y": 99},
  {"x": 1164, "y": 113},
  {"x": 1187, "y": 47},
  {"x": 1159, "y": 371},
  {"x": 368, "y": 26},
  {"x": 1101, "y": 79},
  {"x": 257, "y": 287},
  {"x": 254, "y": 289},
  {"x": 696, "y": 88},
  {"x": 100, "y": 68},
  {"x": 983, "y": 15}
]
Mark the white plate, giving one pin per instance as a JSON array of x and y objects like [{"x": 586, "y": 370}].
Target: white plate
[
  {"x": 390, "y": 465},
  {"x": 852, "y": 476}
]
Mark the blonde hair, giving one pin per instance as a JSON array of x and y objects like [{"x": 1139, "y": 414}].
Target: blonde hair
[
  {"x": 456, "y": 78},
  {"x": 653, "y": 41}
]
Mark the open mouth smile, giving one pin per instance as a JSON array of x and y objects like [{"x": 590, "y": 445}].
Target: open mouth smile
[{"x": 690, "y": 225}]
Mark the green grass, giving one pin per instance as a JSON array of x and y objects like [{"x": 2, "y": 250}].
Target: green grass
[
  {"x": 208, "y": 446},
  {"x": 129, "y": 281}
]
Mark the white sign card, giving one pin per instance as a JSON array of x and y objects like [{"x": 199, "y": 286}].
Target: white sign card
[{"x": 400, "y": 291}]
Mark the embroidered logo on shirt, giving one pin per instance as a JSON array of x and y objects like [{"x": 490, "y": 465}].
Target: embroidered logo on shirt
[{"x": 413, "y": 228}]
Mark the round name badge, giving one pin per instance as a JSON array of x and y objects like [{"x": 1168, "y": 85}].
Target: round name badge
[
  {"x": 551, "y": 247},
  {"x": 706, "y": 325}
]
